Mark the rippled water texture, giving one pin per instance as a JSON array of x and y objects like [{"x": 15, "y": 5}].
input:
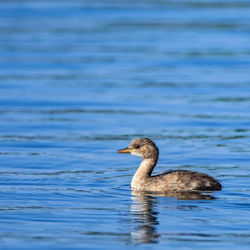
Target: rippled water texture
[{"x": 80, "y": 79}]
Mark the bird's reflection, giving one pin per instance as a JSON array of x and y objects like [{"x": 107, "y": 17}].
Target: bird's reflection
[
  {"x": 185, "y": 195},
  {"x": 145, "y": 217},
  {"x": 144, "y": 213}
]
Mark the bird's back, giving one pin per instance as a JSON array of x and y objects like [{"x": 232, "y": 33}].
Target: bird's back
[{"x": 182, "y": 180}]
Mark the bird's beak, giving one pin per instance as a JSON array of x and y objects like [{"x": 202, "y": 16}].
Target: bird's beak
[{"x": 124, "y": 150}]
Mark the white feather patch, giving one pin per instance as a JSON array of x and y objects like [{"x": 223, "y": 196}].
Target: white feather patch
[{"x": 136, "y": 154}]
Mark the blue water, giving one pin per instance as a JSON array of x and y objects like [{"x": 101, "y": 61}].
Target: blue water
[{"x": 81, "y": 79}]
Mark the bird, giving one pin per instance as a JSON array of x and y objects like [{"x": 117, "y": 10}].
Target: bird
[{"x": 169, "y": 181}]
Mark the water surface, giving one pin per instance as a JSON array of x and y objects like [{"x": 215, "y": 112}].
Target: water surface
[{"x": 80, "y": 79}]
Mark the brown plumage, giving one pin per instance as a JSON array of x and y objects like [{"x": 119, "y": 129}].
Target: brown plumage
[{"x": 173, "y": 180}]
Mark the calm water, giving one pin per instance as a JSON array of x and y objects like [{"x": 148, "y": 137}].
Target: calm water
[{"x": 80, "y": 79}]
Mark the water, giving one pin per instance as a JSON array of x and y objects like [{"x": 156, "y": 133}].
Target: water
[{"x": 80, "y": 79}]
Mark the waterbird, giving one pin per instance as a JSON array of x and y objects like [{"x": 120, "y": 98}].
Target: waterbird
[{"x": 169, "y": 181}]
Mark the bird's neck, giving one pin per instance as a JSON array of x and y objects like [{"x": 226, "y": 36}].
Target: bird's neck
[{"x": 146, "y": 167}]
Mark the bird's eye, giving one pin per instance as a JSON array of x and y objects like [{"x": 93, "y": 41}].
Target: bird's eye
[{"x": 136, "y": 146}]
